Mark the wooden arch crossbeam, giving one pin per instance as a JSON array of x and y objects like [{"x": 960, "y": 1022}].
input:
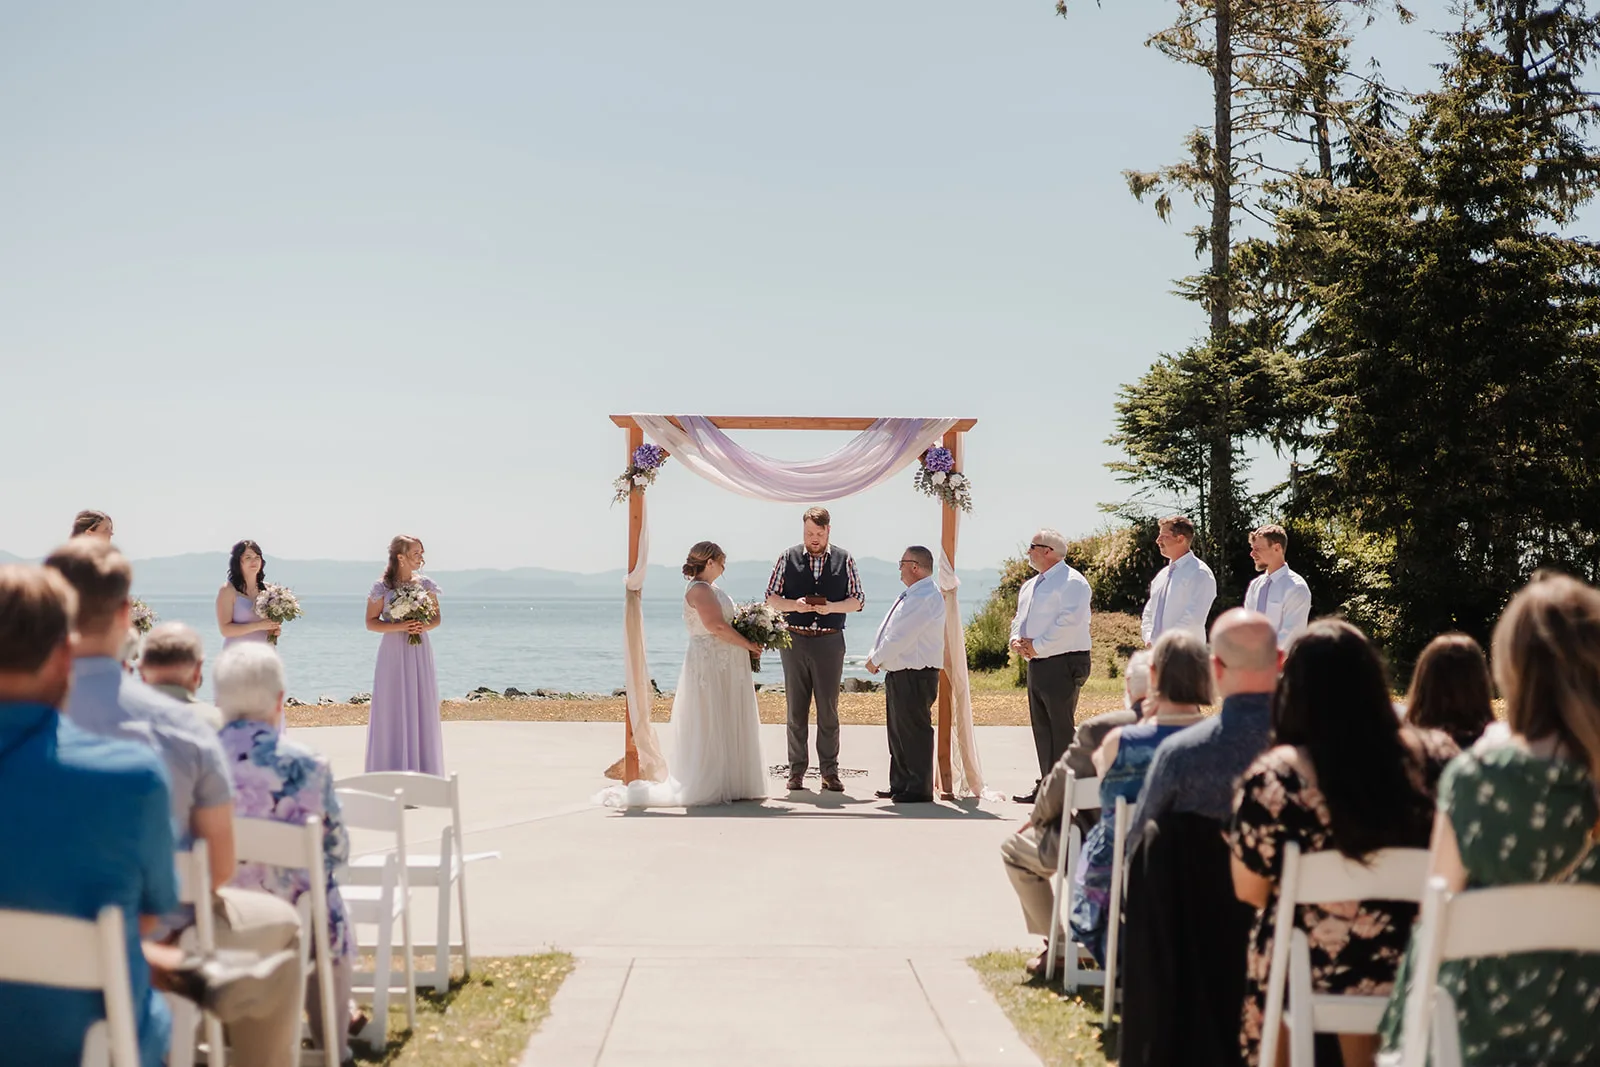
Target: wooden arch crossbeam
[{"x": 953, "y": 440}]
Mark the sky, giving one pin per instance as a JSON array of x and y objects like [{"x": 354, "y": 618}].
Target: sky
[{"x": 316, "y": 274}]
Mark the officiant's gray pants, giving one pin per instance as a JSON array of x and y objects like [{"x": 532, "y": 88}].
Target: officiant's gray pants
[{"x": 813, "y": 668}]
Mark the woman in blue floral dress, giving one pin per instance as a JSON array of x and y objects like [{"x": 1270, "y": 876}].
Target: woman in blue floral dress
[{"x": 274, "y": 778}]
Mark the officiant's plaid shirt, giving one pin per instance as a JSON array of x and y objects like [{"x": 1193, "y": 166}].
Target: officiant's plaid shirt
[{"x": 775, "y": 583}]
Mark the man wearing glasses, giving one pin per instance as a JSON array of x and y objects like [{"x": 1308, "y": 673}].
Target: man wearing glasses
[
  {"x": 1051, "y": 632},
  {"x": 910, "y": 647}
]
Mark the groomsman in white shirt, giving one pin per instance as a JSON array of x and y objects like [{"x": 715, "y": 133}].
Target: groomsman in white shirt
[
  {"x": 910, "y": 648},
  {"x": 1182, "y": 593},
  {"x": 1051, "y": 632},
  {"x": 1278, "y": 593}
]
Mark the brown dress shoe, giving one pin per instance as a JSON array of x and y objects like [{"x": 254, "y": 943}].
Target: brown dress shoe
[
  {"x": 796, "y": 782},
  {"x": 831, "y": 783}
]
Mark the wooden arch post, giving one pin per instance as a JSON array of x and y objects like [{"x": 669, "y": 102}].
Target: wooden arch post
[{"x": 953, "y": 440}]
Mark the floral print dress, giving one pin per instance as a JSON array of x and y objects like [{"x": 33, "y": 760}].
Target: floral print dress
[
  {"x": 1519, "y": 819},
  {"x": 1356, "y": 946},
  {"x": 274, "y": 778}
]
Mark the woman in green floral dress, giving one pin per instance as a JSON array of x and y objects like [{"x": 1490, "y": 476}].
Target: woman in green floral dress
[{"x": 1525, "y": 810}]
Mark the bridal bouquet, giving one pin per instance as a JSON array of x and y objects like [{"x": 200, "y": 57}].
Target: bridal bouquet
[
  {"x": 641, "y": 473},
  {"x": 765, "y": 626},
  {"x": 143, "y": 617},
  {"x": 277, "y": 603},
  {"x": 411, "y": 603},
  {"x": 938, "y": 477}
]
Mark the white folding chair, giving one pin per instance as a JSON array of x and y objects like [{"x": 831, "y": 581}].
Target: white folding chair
[
  {"x": 1080, "y": 794},
  {"x": 1499, "y": 921},
  {"x": 1327, "y": 877},
  {"x": 282, "y": 844},
  {"x": 443, "y": 872},
  {"x": 376, "y": 896},
  {"x": 1122, "y": 816},
  {"x": 66, "y": 953},
  {"x": 194, "y": 887}
]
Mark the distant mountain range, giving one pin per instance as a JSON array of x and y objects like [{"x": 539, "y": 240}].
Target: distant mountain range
[{"x": 198, "y": 573}]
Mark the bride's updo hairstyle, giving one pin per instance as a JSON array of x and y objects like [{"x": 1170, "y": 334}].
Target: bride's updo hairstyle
[{"x": 701, "y": 554}]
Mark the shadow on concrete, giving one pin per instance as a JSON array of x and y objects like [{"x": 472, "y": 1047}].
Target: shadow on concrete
[{"x": 825, "y": 806}]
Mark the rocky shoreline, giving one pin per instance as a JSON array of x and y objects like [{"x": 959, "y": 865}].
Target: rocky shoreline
[{"x": 483, "y": 692}]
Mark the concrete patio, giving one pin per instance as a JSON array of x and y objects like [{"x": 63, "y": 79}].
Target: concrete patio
[{"x": 819, "y": 927}]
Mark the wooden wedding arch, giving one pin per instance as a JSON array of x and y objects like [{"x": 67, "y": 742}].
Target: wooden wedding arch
[{"x": 953, "y": 440}]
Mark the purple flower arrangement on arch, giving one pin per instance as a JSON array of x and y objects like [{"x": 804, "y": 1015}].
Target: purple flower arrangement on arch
[
  {"x": 641, "y": 473},
  {"x": 938, "y": 477}
]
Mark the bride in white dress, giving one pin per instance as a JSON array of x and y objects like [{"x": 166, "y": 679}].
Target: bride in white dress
[{"x": 717, "y": 754}]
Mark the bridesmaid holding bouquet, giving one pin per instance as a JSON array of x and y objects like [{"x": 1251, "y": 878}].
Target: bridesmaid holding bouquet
[
  {"x": 236, "y": 601},
  {"x": 403, "y": 731}
]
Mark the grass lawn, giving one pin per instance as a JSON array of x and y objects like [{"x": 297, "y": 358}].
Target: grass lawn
[
  {"x": 1063, "y": 1029},
  {"x": 487, "y": 1018}
]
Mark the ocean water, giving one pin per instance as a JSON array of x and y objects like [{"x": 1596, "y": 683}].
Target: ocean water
[{"x": 569, "y": 644}]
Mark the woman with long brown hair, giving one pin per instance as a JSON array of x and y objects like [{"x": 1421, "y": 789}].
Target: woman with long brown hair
[
  {"x": 1526, "y": 810},
  {"x": 403, "y": 732}
]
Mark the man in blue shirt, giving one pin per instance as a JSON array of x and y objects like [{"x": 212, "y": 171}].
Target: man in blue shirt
[
  {"x": 1196, "y": 769},
  {"x": 86, "y": 824}
]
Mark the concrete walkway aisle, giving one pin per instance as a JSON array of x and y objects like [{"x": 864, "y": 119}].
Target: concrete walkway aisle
[{"x": 819, "y": 929}]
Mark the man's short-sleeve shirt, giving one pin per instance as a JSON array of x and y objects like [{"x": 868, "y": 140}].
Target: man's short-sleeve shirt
[{"x": 87, "y": 824}]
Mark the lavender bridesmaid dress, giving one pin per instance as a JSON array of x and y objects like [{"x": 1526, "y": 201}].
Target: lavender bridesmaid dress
[
  {"x": 244, "y": 610},
  {"x": 403, "y": 728}
]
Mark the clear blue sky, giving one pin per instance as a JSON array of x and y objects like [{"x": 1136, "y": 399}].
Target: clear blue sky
[{"x": 320, "y": 273}]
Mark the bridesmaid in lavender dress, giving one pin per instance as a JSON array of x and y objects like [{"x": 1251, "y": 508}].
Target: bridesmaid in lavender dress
[
  {"x": 236, "y": 601},
  {"x": 403, "y": 729}
]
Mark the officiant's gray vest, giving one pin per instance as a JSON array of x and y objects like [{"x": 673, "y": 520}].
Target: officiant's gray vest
[{"x": 798, "y": 582}]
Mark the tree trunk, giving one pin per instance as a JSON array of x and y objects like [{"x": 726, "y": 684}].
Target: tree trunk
[{"x": 1220, "y": 504}]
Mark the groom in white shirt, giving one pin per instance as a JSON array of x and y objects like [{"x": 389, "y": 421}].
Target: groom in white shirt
[
  {"x": 1278, "y": 593},
  {"x": 1182, "y": 593},
  {"x": 1051, "y": 632},
  {"x": 910, "y": 648}
]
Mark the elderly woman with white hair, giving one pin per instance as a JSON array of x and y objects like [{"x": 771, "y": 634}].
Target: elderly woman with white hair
[
  {"x": 274, "y": 778},
  {"x": 1050, "y": 631}
]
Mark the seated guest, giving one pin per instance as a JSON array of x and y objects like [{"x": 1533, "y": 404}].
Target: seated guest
[
  {"x": 106, "y": 701},
  {"x": 1185, "y": 933},
  {"x": 95, "y": 826},
  {"x": 1086, "y": 742},
  {"x": 1450, "y": 689},
  {"x": 1195, "y": 770},
  {"x": 278, "y": 779},
  {"x": 1343, "y": 774},
  {"x": 1527, "y": 810},
  {"x": 1179, "y": 685},
  {"x": 172, "y": 663}
]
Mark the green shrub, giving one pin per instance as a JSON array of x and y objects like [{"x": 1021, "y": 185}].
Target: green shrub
[{"x": 1119, "y": 562}]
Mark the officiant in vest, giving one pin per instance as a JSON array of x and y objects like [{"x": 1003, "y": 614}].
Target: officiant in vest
[{"x": 816, "y": 586}]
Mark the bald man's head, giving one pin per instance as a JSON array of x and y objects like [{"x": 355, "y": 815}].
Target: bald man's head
[{"x": 1244, "y": 648}]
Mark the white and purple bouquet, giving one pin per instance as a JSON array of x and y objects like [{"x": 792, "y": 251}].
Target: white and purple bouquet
[
  {"x": 765, "y": 626},
  {"x": 641, "y": 473},
  {"x": 277, "y": 603},
  {"x": 938, "y": 477},
  {"x": 143, "y": 617},
  {"x": 411, "y": 603}
]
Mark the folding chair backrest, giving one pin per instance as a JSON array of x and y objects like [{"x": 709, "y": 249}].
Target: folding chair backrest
[
  {"x": 277, "y": 844},
  {"x": 1082, "y": 793},
  {"x": 371, "y": 811},
  {"x": 1329, "y": 876},
  {"x": 1506, "y": 920},
  {"x": 61, "y": 952},
  {"x": 418, "y": 790}
]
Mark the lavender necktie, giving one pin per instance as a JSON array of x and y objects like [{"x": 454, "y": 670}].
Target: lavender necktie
[{"x": 1261, "y": 597}]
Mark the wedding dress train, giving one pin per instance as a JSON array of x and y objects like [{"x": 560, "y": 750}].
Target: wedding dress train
[{"x": 716, "y": 754}]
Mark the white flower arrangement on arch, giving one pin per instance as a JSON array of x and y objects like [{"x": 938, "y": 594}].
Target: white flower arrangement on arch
[{"x": 938, "y": 477}]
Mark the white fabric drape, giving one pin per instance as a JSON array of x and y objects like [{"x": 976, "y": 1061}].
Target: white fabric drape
[
  {"x": 652, "y": 764},
  {"x": 873, "y": 456}
]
